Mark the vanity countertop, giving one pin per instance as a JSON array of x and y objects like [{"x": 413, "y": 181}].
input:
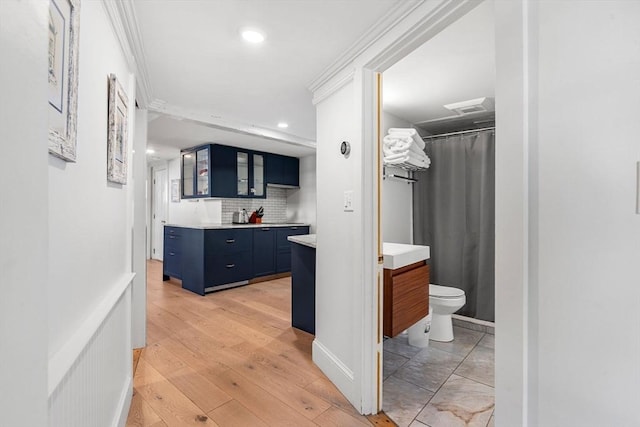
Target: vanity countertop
[
  {"x": 304, "y": 239},
  {"x": 397, "y": 255}
]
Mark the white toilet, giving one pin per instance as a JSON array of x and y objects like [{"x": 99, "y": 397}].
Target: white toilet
[{"x": 445, "y": 300}]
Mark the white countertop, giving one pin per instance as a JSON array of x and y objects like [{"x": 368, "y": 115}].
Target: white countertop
[
  {"x": 397, "y": 255},
  {"x": 214, "y": 226},
  {"x": 304, "y": 239}
]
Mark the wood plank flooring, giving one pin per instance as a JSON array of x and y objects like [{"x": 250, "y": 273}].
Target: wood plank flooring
[{"x": 231, "y": 358}]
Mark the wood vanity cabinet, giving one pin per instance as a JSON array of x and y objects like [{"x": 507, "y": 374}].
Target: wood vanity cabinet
[{"x": 406, "y": 297}]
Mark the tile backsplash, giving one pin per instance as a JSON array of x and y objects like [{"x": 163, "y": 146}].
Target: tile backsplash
[{"x": 275, "y": 206}]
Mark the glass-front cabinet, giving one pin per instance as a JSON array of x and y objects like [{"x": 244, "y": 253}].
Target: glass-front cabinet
[
  {"x": 216, "y": 170},
  {"x": 196, "y": 172}
]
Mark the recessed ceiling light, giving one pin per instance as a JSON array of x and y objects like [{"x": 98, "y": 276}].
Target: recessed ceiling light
[
  {"x": 253, "y": 36},
  {"x": 150, "y": 151},
  {"x": 283, "y": 125}
]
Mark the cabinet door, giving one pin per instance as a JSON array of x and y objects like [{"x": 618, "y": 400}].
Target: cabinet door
[
  {"x": 223, "y": 171},
  {"x": 291, "y": 171},
  {"x": 242, "y": 167},
  {"x": 202, "y": 172},
  {"x": 264, "y": 255},
  {"x": 257, "y": 178},
  {"x": 274, "y": 169},
  {"x": 188, "y": 174}
]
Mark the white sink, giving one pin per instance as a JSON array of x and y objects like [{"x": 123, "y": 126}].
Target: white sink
[{"x": 397, "y": 255}]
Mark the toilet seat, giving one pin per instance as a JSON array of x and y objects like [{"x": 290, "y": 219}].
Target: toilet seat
[{"x": 445, "y": 292}]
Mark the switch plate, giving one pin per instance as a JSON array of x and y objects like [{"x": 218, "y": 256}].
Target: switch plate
[{"x": 348, "y": 201}]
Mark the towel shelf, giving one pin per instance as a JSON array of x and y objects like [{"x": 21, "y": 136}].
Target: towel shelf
[{"x": 409, "y": 179}]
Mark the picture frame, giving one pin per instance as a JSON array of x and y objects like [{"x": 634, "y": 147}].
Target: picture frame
[
  {"x": 64, "y": 31},
  {"x": 117, "y": 139},
  {"x": 175, "y": 190}
]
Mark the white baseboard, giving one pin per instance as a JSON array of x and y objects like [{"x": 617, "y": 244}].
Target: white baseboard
[
  {"x": 338, "y": 372},
  {"x": 124, "y": 404}
]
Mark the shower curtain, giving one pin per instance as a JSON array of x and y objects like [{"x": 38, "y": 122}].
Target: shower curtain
[{"x": 454, "y": 214}]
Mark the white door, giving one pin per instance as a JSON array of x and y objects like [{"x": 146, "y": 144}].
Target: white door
[{"x": 159, "y": 212}]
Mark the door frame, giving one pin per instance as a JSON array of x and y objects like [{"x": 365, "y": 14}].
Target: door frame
[
  {"x": 155, "y": 169},
  {"x": 515, "y": 61}
]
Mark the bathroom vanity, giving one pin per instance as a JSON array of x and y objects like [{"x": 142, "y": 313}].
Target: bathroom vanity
[{"x": 406, "y": 286}]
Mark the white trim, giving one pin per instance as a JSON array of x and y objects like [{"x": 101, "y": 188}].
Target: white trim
[
  {"x": 328, "y": 90},
  {"x": 473, "y": 320},
  {"x": 124, "y": 22},
  {"x": 64, "y": 359},
  {"x": 375, "y": 32},
  {"x": 206, "y": 119},
  {"x": 333, "y": 367},
  {"x": 124, "y": 404}
]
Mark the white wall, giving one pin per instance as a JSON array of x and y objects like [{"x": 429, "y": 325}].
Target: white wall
[
  {"x": 588, "y": 282},
  {"x": 301, "y": 203},
  {"x": 336, "y": 243},
  {"x": 23, "y": 225},
  {"x": 90, "y": 221},
  {"x": 397, "y": 195}
]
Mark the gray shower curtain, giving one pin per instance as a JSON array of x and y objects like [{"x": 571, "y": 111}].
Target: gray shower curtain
[{"x": 454, "y": 214}]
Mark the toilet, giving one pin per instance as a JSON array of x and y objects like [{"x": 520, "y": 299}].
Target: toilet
[{"x": 445, "y": 300}]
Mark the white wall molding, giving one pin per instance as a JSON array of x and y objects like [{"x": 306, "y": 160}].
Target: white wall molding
[
  {"x": 61, "y": 362},
  {"x": 377, "y": 31},
  {"x": 207, "y": 119},
  {"x": 124, "y": 404},
  {"x": 123, "y": 19},
  {"x": 327, "y": 90},
  {"x": 331, "y": 365}
]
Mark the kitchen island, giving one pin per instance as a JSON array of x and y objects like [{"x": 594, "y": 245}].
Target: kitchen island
[
  {"x": 303, "y": 282},
  {"x": 212, "y": 257}
]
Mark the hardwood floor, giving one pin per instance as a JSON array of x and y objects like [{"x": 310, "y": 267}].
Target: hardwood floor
[{"x": 231, "y": 358}]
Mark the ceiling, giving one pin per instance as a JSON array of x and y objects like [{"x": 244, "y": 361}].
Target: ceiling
[
  {"x": 197, "y": 61},
  {"x": 456, "y": 65}
]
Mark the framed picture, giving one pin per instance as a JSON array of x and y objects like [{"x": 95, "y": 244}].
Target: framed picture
[
  {"x": 175, "y": 190},
  {"x": 117, "y": 135},
  {"x": 64, "y": 29}
]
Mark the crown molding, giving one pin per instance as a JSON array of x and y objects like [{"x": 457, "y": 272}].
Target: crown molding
[
  {"x": 377, "y": 31},
  {"x": 207, "y": 119},
  {"x": 335, "y": 85},
  {"x": 125, "y": 25}
]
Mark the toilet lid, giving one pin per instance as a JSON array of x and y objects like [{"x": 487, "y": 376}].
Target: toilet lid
[{"x": 445, "y": 291}]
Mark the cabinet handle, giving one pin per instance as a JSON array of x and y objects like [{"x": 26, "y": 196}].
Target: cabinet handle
[
  {"x": 231, "y": 240},
  {"x": 230, "y": 265},
  {"x": 172, "y": 253},
  {"x": 266, "y": 229},
  {"x": 294, "y": 228},
  {"x": 172, "y": 237}
]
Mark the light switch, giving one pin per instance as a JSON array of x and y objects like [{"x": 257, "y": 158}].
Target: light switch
[{"x": 348, "y": 201}]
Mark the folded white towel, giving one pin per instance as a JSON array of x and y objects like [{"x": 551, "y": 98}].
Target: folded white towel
[
  {"x": 408, "y": 132},
  {"x": 392, "y": 150},
  {"x": 408, "y": 159},
  {"x": 415, "y": 157}
]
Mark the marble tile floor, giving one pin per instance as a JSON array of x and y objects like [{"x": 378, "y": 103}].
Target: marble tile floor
[{"x": 443, "y": 385}]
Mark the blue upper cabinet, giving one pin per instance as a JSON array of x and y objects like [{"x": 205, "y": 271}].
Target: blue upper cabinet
[
  {"x": 215, "y": 170},
  {"x": 196, "y": 172},
  {"x": 283, "y": 171}
]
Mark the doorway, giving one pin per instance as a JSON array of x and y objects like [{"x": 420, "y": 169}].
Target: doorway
[
  {"x": 159, "y": 212},
  {"x": 444, "y": 89}
]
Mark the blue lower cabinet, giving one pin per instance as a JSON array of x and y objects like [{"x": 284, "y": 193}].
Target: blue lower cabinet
[
  {"x": 172, "y": 253},
  {"x": 208, "y": 259},
  {"x": 264, "y": 254},
  {"x": 283, "y": 246},
  {"x": 303, "y": 288}
]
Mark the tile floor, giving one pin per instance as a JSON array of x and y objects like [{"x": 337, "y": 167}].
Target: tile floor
[{"x": 444, "y": 385}]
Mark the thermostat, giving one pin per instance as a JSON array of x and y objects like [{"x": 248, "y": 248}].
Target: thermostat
[{"x": 345, "y": 148}]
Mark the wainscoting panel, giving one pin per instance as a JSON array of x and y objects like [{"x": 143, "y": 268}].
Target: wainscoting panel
[{"x": 96, "y": 389}]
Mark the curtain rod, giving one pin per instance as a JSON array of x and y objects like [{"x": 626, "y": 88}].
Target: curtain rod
[{"x": 459, "y": 132}]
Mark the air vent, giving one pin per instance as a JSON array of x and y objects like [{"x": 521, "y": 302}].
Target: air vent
[{"x": 478, "y": 105}]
